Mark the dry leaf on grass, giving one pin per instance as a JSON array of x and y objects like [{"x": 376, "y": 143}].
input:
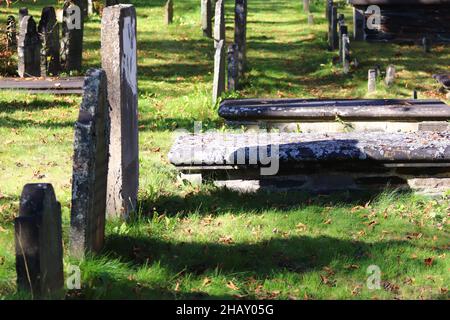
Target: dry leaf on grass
[{"x": 232, "y": 286}]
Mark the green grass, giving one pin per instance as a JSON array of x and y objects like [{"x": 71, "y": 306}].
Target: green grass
[{"x": 190, "y": 242}]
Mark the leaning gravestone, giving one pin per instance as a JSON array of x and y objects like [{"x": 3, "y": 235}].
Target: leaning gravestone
[
  {"x": 38, "y": 242},
  {"x": 219, "y": 23},
  {"x": 90, "y": 167},
  {"x": 233, "y": 69},
  {"x": 72, "y": 36},
  {"x": 219, "y": 71},
  {"x": 48, "y": 29},
  {"x": 28, "y": 49},
  {"x": 119, "y": 60},
  {"x": 11, "y": 32},
  {"x": 206, "y": 14},
  {"x": 240, "y": 34},
  {"x": 168, "y": 12}
]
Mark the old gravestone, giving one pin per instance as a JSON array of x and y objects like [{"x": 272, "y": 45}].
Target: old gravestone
[
  {"x": 219, "y": 71},
  {"x": 343, "y": 30},
  {"x": 333, "y": 40},
  {"x": 119, "y": 60},
  {"x": 11, "y": 32},
  {"x": 329, "y": 4},
  {"x": 426, "y": 44},
  {"x": 372, "y": 81},
  {"x": 233, "y": 69},
  {"x": 219, "y": 23},
  {"x": 22, "y": 13},
  {"x": 390, "y": 75},
  {"x": 72, "y": 36},
  {"x": 90, "y": 167},
  {"x": 28, "y": 49},
  {"x": 345, "y": 53},
  {"x": 168, "y": 10},
  {"x": 206, "y": 17},
  {"x": 48, "y": 29},
  {"x": 240, "y": 34},
  {"x": 306, "y": 6},
  {"x": 310, "y": 19},
  {"x": 38, "y": 243},
  {"x": 359, "y": 21}
]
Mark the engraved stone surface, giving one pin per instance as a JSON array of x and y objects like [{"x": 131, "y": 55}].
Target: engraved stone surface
[
  {"x": 48, "y": 29},
  {"x": 72, "y": 36}
]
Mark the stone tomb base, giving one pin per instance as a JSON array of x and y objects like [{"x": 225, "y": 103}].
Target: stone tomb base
[
  {"x": 317, "y": 163},
  {"x": 321, "y": 116}
]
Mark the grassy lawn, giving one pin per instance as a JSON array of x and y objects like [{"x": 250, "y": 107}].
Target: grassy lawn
[{"x": 191, "y": 242}]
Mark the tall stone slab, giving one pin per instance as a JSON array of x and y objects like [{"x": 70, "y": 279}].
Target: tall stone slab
[
  {"x": 28, "y": 49},
  {"x": 48, "y": 29},
  {"x": 233, "y": 67},
  {"x": 219, "y": 23},
  {"x": 11, "y": 32},
  {"x": 359, "y": 24},
  {"x": 206, "y": 17},
  {"x": 372, "y": 80},
  {"x": 333, "y": 38},
  {"x": 168, "y": 12},
  {"x": 72, "y": 36},
  {"x": 90, "y": 167},
  {"x": 38, "y": 243},
  {"x": 345, "y": 53},
  {"x": 240, "y": 33},
  {"x": 219, "y": 71},
  {"x": 119, "y": 60}
]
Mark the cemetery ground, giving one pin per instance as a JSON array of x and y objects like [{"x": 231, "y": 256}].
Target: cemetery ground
[{"x": 204, "y": 243}]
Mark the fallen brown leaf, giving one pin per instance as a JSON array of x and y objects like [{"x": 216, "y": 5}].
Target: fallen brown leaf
[{"x": 232, "y": 286}]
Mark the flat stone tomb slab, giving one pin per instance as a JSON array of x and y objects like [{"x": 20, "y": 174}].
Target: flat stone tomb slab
[
  {"x": 308, "y": 115},
  {"x": 417, "y": 161}
]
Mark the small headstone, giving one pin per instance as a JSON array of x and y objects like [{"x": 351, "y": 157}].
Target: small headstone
[
  {"x": 372, "y": 81},
  {"x": 28, "y": 49},
  {"x": 11, "y": 33},
  {"x": 168, "y": 10},
  {"x": 72, "y": 36},
  {"x": 390, "y": 75},
  {"x": 38, "y": 242},
  {"x": 346, "y": 53},
  {"x": 426, "y": 44},
  {"x": 219, "y": 23},
  {"x": 310, "y": 19},
  {"x": 333, "y": 39},
  {"x": 90, "y": 167},
  {"x": 206, "y": 18},
  {"x": 119, "y": 60},
  {"x": 306, "y": 6},
  {"x": 219, "y": 71},
  {"x": 233, "y": 69},
  {"x": 22, "y": 13},
  {"x": 343, "y": 30},
  {"x": 240, "y": 34},
  {"x": 415, "y": 96},
  {"x": 48, "y": 29}
]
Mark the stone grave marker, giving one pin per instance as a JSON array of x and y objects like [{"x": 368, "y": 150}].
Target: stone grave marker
[
  {"x": 38, "y": 243},
  {"x": 343, "y": 30},
  {"x": 22, "y": 13},
  {"x": 11, "y": 32},
  {"x": 310, "y": 19},
  {"x": 345, "y": 53},
  {"x": 119, "y": 60},
  {"x": 206, "y": 18},
  {"x": 168, "y": 10},
  {"x": 219, "y": 71},
  {"x": 28, "y": 49},
  {"x": 48, "y": 29},
  {"x": 233, "y": 69},
  {"x": 219, "y": 23},
  {"x": 90, "y": 167},
  {"x": 240, "y": 34},
  {"x": 372, "y": 81},
  {"x": 359, "y": 22},
  {"x": 333, "y": 40},
  {"x": 426, "y": 44},
  {"x": 306, "y": 6},
  {"x": 72, "y": 36},
  {"x": 390, "y": 75}
]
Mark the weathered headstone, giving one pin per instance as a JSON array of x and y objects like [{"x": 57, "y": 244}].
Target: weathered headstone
[
  {"x": 11, "y": 32},
  {"x": 415, "y": 95},
  {"x": 72, "y": 36},
  {"x": 168, "y": 11},
  {"x": 426, "y": 44},
  {"x": 343, "y": 30},
  {"x": 390, "y": 75},
  {"x": 22, "y": 13},
  {"x": 206, "y": 17},
  {"x": 28, "y": 49},
  {"x": 333, "y": 39},
  {"x": 90, "y": 167},
  {"x": 345, "y": 53},
  {"x": 372, "y": 81},
  {"x": 48, "y": 29},
  {"x": 233, "y": 68},
  {"x": 240, "y": 34},
  {"x": 119, "y": 60},
  {"x": 359, "y": 22},
  {"x": 38, "y": 242},
  {"x": 219, "y": 23},
  {"x": 310, "y": 19},
  {"x": 219, "y": 71},
  {"x": 306, "y": 6}
]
